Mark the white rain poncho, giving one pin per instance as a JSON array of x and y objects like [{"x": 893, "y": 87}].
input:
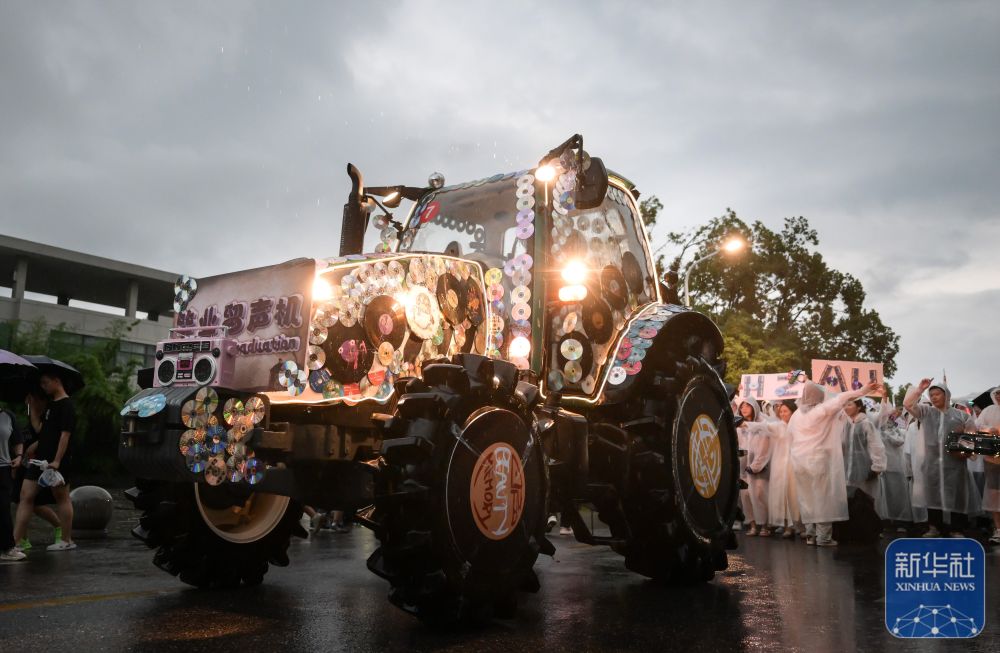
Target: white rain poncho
[
  {"x": 864, "y": 454},
  {"x": 947, "y": 481},
  {"x": 755, "y": 439},
  {"x": 913, "y": 455},
  {"x": 817, "y": 454},
  {"x": 782, "y": 502},
  {"x": 989, "y": 420},
  {"x": 893, "y": 498}
]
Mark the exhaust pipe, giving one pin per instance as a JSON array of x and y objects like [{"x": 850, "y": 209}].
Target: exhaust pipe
[{"x": 355, "y": 221}]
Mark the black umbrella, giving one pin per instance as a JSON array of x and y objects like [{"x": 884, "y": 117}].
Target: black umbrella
[
  {"x": 16, "y": 376},
  {"x": 71, "y": 378},
  {"x": 984, "y": 400}
]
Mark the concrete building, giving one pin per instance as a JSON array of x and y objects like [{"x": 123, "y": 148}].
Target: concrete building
[{"x": 80, "y": 297}]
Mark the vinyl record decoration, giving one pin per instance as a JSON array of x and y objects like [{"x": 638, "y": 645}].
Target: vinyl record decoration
[
  {"x": 451, "y": 298},
  {"x": 614, "y": 287},
  {"x": 385, "y": 321},
  {"x": 632, "y": 273},
  {"x": 597, "y": 319},
  {"x": 349, "y": 357}
]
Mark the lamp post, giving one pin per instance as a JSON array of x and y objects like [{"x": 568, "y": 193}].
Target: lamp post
[{"x": 731, "y": 246}]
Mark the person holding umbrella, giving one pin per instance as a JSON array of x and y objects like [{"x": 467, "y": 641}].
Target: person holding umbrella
[{"x": 57, "y": 380}]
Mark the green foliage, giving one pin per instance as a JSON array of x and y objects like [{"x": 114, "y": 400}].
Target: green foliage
[
  {"x": 108, "y": 386},
  {"x": 779, "y": 304}
]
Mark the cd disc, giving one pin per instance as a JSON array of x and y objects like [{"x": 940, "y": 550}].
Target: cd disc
[
  {"x": 253, "y": 471},
  {"x": 196, "y": 458},
  {"x": 597, "y": 320},
  {"x": 318, "y": 379},
  {"x": 254, "y": 407},
  {"x": 520, "y": 311},
  {"x": 632, "y": 272},
  {"x": 422, "y": 313},
  {"x": 493, "y": 276},
  {"x": 384, "y": 353},
  {"x": 350, "y": 356},
  {"x": 385, "y": 321},
  {"x": 315, "y": 357},
  {"x": 233, "y": 410},
  {"x": 317, "y": 334},
  {"x": 571, "y": 349},
  {"x": 237, "y": 433},
  {"x": 474, "y": 309},
  {"x": 572, "y": 371},
  {"x": 215, "y": 471},
  {"x": 614, "y": 287},
  {"x": 520, "y": 295},
  {"x": 451, "y": 298},
  {"x": 574, "y": 346},
  {"x": 189, "y": 438},
  {"x": 524, "y": 230},
  {"x": 617, "y": 376},
  {"x": 216, "y": 438},
  {"x": 192, "y": 415},
  {"x": 207, "y": 398}
]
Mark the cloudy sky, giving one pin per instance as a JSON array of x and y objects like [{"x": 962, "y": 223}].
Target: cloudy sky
[{"x": 209, "y": 137}]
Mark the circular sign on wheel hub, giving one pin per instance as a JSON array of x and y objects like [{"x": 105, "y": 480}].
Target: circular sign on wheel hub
[
  {"x": 496, "y": 495},
  {"x": 706, "y": 456},
  {"x": 705, "y": 459}
]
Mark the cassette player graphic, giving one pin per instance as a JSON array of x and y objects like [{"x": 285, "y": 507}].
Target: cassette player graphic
[{"x": 195, "y": 356}]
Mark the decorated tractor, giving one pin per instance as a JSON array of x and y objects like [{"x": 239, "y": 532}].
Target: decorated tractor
[{"x": 503, "y": 356}]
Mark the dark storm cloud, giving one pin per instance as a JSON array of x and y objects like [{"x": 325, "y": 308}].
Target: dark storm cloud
[{"x": 205, "y": 137}]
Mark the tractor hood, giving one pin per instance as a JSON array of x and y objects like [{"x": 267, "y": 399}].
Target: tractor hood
[{"x": 332, "y": 330}]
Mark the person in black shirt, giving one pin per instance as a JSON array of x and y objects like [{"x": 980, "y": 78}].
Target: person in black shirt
[{"x": 52, "y": 446}]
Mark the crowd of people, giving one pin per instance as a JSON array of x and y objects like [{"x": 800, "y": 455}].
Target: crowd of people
[{"x": 829, "y": 459}]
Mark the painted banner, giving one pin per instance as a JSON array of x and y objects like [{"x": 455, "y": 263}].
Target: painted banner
[
  {"x": 842, "y": 376},
  {"x": 264, "y": 312},
  {"x": 773, "y": 386}
]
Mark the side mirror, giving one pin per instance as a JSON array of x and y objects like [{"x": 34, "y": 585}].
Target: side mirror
[{"x": 594, "y": 187}]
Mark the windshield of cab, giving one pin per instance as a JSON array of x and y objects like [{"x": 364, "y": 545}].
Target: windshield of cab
[{"x": 474, "y": 221}]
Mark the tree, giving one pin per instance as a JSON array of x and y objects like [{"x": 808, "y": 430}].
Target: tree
[{"x": 779, "y": 304}]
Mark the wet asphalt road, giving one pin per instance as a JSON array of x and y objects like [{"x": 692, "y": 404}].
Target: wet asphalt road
[{"x": 777, "y": 595}]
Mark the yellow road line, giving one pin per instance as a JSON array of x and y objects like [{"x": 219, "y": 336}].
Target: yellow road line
[{"x": 73, "y": 600}]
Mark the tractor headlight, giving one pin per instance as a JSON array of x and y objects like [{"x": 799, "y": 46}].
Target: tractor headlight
[{"x": 574, "y": 273}]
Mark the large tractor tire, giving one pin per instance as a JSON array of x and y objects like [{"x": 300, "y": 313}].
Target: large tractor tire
[
  {"x": 209, "y": 536},
  {"x": 681, "y": 520},
  {"x": 460, "y": 497}
]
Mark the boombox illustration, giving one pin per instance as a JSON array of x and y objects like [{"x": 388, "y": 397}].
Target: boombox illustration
[{"x": 195, "y": 356}]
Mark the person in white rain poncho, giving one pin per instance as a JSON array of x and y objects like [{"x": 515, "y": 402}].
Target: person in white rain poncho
[
  {"x": 755, "y": 439},
  {"x": 892, "y": 502},
  {"x": 948, "y": 486},
  {"x": 989, "y": 420},
  {"x": 864, "y": 453},
  {"x": 818, "y": 459},
  {"x": 782, "y": 503}
]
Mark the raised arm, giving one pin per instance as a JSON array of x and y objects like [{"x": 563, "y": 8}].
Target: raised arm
[
  {"x": 876, "y": 449},
  {"x": 912, "y": 399},
  {"x": 837, "y": 402}
]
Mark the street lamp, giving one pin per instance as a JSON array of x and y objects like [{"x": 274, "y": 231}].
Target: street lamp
[{"x": 731, "y": 246}]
